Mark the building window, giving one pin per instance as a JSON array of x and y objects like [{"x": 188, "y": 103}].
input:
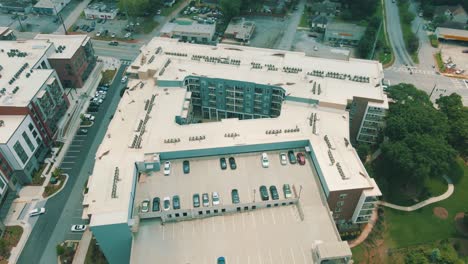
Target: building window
[
  {"x": 20, "y": 152},
  {"x": 338, "y": 209},
  {"x": 184, "y": 214},
  {"x": 28, "y": 141},
  {"x": 343, "y": 195},
  {"x": 340, "y": 203},
  {"x": 336, "y": 216},
  {"x": 30, "y": 127},
  {"x": 2, "y": 184}
]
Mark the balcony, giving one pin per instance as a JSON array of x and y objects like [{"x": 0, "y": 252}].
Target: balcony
[
  {"x": 371, "y": 199},
  {"x": 363, "y": 219},
  {"x": 368, "y": 206}
]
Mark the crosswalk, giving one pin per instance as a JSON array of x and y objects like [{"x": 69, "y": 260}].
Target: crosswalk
[
  {"x": 125, "y": 62},
  {"x": 459, "y": 84},
  {"x": 412, "y": 69}
]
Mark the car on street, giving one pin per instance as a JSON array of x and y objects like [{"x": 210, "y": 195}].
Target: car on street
[
  {"x": 78, "y": 228},
  {"x": 265, "y": 161},
  {"x": 196, "y": 200},
  {"x": 176, "y": 202},
  {"x": 292, "y": 157},
  {"x": 235, "y": 196},
  {"x": 274, "y": 192},
  {"x": 89, "y": 117},
  {"x": 264, "y": 193},
  {"x": 156, "y": 204},
  {"x": 82, "y": 132},
  {"x": 167, "y": 168},
  {"x": 205, "y": 200},
  {"x": 124, "y": 79},
  {"x": 283, "y": 158},
  {"x": 113, "y": 43},
  {"x": 221, "y": 260},
  {"x": 145, "y": 206},
  {"x": 301, "y": 158},
  {"x": 37, "y": 211},
  {"x": 98, "y": 34},
  {"x": 222, "y": 163},
  {"x": 215, "y": 198},
  {"x": 92, "y": 109},
  {"x": 166, "y": 203},
  {"x": 287, "y": 191},
  {"x": 186, "y": 166},
  {"x": 232, "y": 163}
]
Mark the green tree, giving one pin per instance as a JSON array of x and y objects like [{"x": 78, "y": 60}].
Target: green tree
[
  {"x": 60, "y": 250},
  {"x": 135, "y": 7},
  {"x": 4, "y": 249},
  {"x": 230, "y": 8},
  {"x": 440, "y": 19},
  {"x": 457, "y": 116},
  {"x": 363, "y": 150},
  {"x": 465, "y": 219},
  {"x": 416, "y": 257}
]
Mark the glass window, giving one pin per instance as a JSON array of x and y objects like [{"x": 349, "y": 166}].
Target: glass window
[
  {"x": 2, "y": 184},
  {"x": 30, "y": 127},
  {"x": 28, "y": 141},
  {"x": 343, "y": 195},
  {"x": 20, "y": 152}
]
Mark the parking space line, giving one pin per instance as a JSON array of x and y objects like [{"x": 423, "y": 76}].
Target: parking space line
[
  {"x": 213, "y": 224},
  {"x": 183, "y": 228},
  {"x": 292, "y": 255},
  {"x": 73, "y": 150},
  {"x": 163, "y": 233},
  {"x": 254, "y": 221},
  {"x": 271, "y": 257},
  {"x": 233, "y": 218},
  {"x": 263, "y": 216},
  {"x": 67, "y": 162},
  {"x": 63, "y": 168},
  {"x": 243, "y": 220},
  {"x": 259, "y": 257},
  {"x": 283, "y": 213},
  {"x": 273, "y": 216},
  {"x": 281, "y": 255},
  {"x": 304, "y": 255},
  {"x": 173, "y": 231},
  {"x": 224, "y": 224},
  {"x": 193, "y": 228},
  {"x": 248, "y": 259}
]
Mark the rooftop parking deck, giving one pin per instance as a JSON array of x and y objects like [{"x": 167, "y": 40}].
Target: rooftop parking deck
[{"x": 283, "y": 234}]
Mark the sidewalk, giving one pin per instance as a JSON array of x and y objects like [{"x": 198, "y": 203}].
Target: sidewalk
[
  {"x": 31, "y": 196},
  {"x": 80, "y": 253}
]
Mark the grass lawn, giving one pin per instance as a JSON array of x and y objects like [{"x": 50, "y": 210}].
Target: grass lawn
[
  {"x": 306, "y": 15},
  {"x": 94, "y": 254},
  {"x": 10, "y": 239},
  {"x": 165, "y": 11},
  {"x": 37, "y": 180},
  {"x": 53, "y": 188},
  {"x": 148, "y": 24},
  {"x": 107, "y": 76},
  {"x": 440, "y": 63},
  {"x": 421, "y": 226},
  {"x": 406, "y": 16}
]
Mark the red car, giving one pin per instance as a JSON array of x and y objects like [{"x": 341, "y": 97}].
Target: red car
[{"x": 301, "y": 158}]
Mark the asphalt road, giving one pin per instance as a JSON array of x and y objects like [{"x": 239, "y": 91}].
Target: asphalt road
[
  {"x": 290, "y": 32},
  {"x": 395, "y": 35},
  {"x": 124, "y": 51},
  {"x": 54, "y": 226}
]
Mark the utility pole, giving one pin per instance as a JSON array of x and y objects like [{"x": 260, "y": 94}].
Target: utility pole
[
  {"x": 61, "y": 20},
  {"x": 21, "y": 25},
  {"x": 375, "y": 41}
]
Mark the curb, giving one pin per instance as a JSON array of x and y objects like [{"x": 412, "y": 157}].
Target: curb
[{"x": 59, "y": 190}]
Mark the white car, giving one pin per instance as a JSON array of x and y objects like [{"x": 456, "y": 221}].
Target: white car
[
  {"x": 215, "y": 198},
  {"x": 166, "y": 203},
  {"x": 37, "y": 211},
  {"x": 128, "y": 34},
  {"x": 167, "y": 168},
  {"x": 78, "y": 228},
  {"x": 98, "y": 34},
  {"x": 145, "y": 206},
  {"x": 265, "y": 161},
  {"x": 283, "y": 158},
  {"x": 124, "y": 79},
  {"x": 89, "y": 117}
]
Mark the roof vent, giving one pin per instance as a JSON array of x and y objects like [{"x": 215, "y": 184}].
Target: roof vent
[{"x": 2, "y": 123}]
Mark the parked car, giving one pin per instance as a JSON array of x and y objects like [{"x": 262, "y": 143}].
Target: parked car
[
  {"x": 37, "y": 211},
  {"x": 205, "y": 200},
  {"x": 287, "y": 191},
  {"x": 92, "y": 109},
  {"x": 166, "y": 203},
  {"x": 114, "y": 43},
  {"x": 264, "y": 193},
  {"x": 124, "y": 79},
  {"x": 283, "y": 158},
  {"x": 145, "y": 206},
  {"x": 98, "y": 34},
  {"x": 82, "y": 132},
  {"x": 89, "y": 117},
  {"x": 292, "y": 157},
  {"x": 186, "y": 166},
  {"x": 215, "y": 198},
  {"x": 222, "y": 163},
  {"x": 232, "y": 163},
  {"x": 196, "y": 200},
  {"x": 156, "y": 204},
  {"x": 167, "y": 168},
  {"x": 274, "y": 193},
  {"x": 235, "y": 196},
  {"x": 176, "y": 202},
  {"x": 301, "y": 158},
  {"x": 78, "y": 228},
  {"x": 221, "y": 260},
  {"x": 265, "y": 161}
]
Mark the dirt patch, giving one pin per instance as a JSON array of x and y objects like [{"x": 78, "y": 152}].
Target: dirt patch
[
  {"x": 461, "y": 228},
  {"x": 440, "y": 212}
]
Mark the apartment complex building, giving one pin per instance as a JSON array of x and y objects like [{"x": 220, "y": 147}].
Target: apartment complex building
[{"x": 199, "y": 103}]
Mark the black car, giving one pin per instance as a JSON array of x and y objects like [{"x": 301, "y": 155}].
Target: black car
[
  {"x": 156, "y": 204},
  {"x": 196, "y": 200},
  {"x": 232, "y": 163},
  {"x": 264, "y": 193},
  {"x": 292, "y": 157},
  {"x": 274, "y": 192},
  {"x": 235, "y": 196},
  {"x": 222, "y": 163},
  {"x": 186, "y": 166},
  {"x": 113, "y": 43},
  {"x": 176, "y": 202},
  {"x": 92, "y": 109}
]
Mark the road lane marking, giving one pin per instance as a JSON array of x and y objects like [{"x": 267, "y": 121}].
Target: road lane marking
[
  {"x": 63, "y": 168},
  {"x": 74, "y": 151},
  {"x": 292, "y": 255},
  {"x": 304, "y": 255},
  {"x": 67, "y": 162}
]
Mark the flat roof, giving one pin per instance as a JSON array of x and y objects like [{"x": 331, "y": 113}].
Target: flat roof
[
  {"x": 241, "y": 235},
  {"x": 188, "y": 28},
  {"x": 450, "y": 33},
  {"x": 65, "y": 45},
  {"x": 114, "y": 151},
  {"x": 22, "y": 63},
  {"x": 8, "y": 126}
]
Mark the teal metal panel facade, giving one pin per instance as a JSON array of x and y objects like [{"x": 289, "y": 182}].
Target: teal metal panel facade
[
  {"x": 301, "y": 100},
  {"x": 115, "y": 241},
  {"x": 318, "y": 170},
  {"x": 169, "y": 83}
]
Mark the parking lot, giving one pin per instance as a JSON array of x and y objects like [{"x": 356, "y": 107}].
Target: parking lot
[
  {"x": 454, "y": 53},
  {"x": 311, "y": 44},
  {"x": 270, "y": 235},
  {"x": 268, "y": 31}
]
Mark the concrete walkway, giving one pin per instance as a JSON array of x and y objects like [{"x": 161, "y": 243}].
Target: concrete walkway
[
  {"x": 366, "y": 231},
  {"x": 419, "y": 205},
  {"x": 80, "y": 253}
]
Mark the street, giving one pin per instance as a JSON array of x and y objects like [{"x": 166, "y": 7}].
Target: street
[
  {"x": 124, "y": 51},
  {"x": 290, "y": 32},
  {"x": 54, "y": 226},
  {"x": 395, "y": 35}
]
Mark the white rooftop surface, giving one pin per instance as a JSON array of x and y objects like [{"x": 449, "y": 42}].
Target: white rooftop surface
[
  {"x": 28, "y": 86},
  {"x": 296, "y": 85},
  {"x": 261, "y": 234},
  {"x": 192, "y": 28},
  {"x": 71, "y": 42},
  {"x": 4, "y": 30},
  {"x": 10, "y": 124}
]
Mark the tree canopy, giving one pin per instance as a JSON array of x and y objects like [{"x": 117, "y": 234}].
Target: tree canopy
[{"x": 230, "y": 8}]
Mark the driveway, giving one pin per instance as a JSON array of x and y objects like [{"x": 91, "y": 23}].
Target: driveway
[
  {"x": 395, "y": 35},
  {"x": 54, "y": 226}
]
